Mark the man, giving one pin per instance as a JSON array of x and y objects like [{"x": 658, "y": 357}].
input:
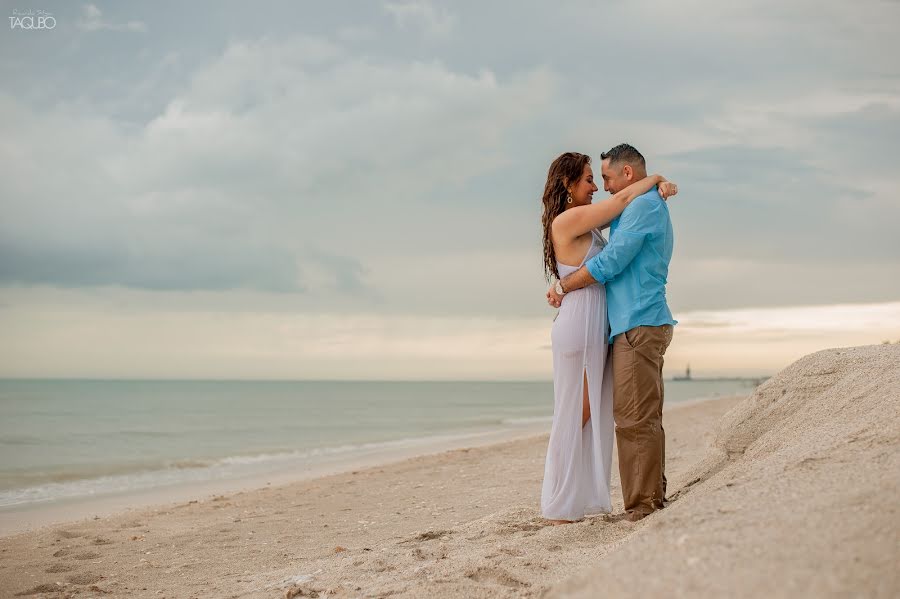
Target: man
[{"x": 634, "y": 266}]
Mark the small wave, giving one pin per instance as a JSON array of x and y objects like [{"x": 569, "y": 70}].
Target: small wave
[
  {"x": 182, "y": 464},
  {"x": 152, "y": 434},
  {"x": 289, "y": 456},
  {"x": 21, "y": 440},
  {"x": 93, "y": 486}
]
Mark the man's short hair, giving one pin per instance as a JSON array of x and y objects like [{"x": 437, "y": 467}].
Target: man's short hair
[{"x": 625, "y": 154}]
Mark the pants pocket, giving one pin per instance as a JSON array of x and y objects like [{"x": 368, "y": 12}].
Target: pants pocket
[{"x": 631, "y": 337}]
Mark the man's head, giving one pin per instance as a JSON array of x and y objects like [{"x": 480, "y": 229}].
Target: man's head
[{"x": 620, "y": 167}]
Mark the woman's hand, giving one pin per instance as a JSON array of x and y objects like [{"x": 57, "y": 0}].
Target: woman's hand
[{"x": 667, "y": 189}]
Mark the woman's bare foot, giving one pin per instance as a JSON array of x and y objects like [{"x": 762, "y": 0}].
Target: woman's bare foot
[{"x": 558, "y": 522}]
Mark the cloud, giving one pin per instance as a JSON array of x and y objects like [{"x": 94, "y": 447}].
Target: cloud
[
  {"x": 719, "y": 280},
  {"x": 764, "y": 340},
  {"x": 233, "y": 183},
  {"x": 134, "y": 264},
  {"x": 346, "y": 274},
  {"x": 434, "y": 22},
  {"x": 92, "y": 20},
  {"x": 183, "y": 336},
  {"x": 356, "y": 34}
]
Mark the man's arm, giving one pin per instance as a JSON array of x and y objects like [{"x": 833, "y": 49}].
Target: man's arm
[
  {"x": 578, "y": 279},
  {"x": 614, "y": 258},
  {"x": 635, "y": 225}
]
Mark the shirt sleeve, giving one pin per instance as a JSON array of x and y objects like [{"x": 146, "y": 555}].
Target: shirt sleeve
[{"x": 635, "y": 226}]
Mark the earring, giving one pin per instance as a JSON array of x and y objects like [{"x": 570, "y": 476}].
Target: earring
[{"x": 569, "y": 196}]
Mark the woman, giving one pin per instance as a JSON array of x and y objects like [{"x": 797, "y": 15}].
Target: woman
[{"x": 579, "y": 455}]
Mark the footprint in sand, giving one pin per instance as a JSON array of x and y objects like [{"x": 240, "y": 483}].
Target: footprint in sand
[
  {"x": 613, "y": 518},
  {"x": 40, "y": 589},
  {"x": 437, "y": 553},
  {"x": 62, "y": 553},
  {"x": 382, "y": 566},
  {"x": 496, "y": 576},
  {"x": 57, "y": 568},
  {"x": 67, "y": 534},
  {"x": 509, "y": 528},
  {"x": 86, "y": 555},
  {"x": 101, "y": 541},
  {"x": 84, "y": 578},
  {"x": 427, "y": 536}
]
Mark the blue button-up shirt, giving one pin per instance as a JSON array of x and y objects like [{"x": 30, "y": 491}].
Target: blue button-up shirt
[{"x": 634, "y": 265}]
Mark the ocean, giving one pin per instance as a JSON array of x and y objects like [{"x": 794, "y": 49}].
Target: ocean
[{"x": 68, "y": 439}]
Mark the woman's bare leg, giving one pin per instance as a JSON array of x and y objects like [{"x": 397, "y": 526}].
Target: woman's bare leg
[{"x": 586, "y": 404}]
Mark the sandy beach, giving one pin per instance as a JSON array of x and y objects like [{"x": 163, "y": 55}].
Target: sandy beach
[{"x": 790, "y": 492}]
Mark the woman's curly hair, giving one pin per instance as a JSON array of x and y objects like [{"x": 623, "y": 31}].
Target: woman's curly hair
[{"x": 566, "y": 169}]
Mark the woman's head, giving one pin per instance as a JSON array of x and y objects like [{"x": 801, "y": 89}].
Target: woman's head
[{"x": 570, "y": 183}]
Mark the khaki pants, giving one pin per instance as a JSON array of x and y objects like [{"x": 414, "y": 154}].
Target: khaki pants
[{"x": 637, "y": 408}]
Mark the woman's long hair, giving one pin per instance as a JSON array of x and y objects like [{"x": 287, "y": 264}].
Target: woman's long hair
[{"x": 568, "y": 168}]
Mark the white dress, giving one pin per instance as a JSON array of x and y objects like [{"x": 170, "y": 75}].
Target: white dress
[{"x": 577, "y": 469}]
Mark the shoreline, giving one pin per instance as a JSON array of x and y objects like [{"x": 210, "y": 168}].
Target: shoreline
[{"x": 33, "y": 517}]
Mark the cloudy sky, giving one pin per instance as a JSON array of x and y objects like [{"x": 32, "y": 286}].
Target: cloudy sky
[{"x": 352, "y": 189}]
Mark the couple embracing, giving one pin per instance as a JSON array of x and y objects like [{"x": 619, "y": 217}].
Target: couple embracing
[{"x": 610, "y": 335}]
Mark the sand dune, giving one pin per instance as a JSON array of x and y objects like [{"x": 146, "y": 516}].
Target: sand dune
[
  {"x": 798, "y": 497},
  {"x": 792, "y": 492}
]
